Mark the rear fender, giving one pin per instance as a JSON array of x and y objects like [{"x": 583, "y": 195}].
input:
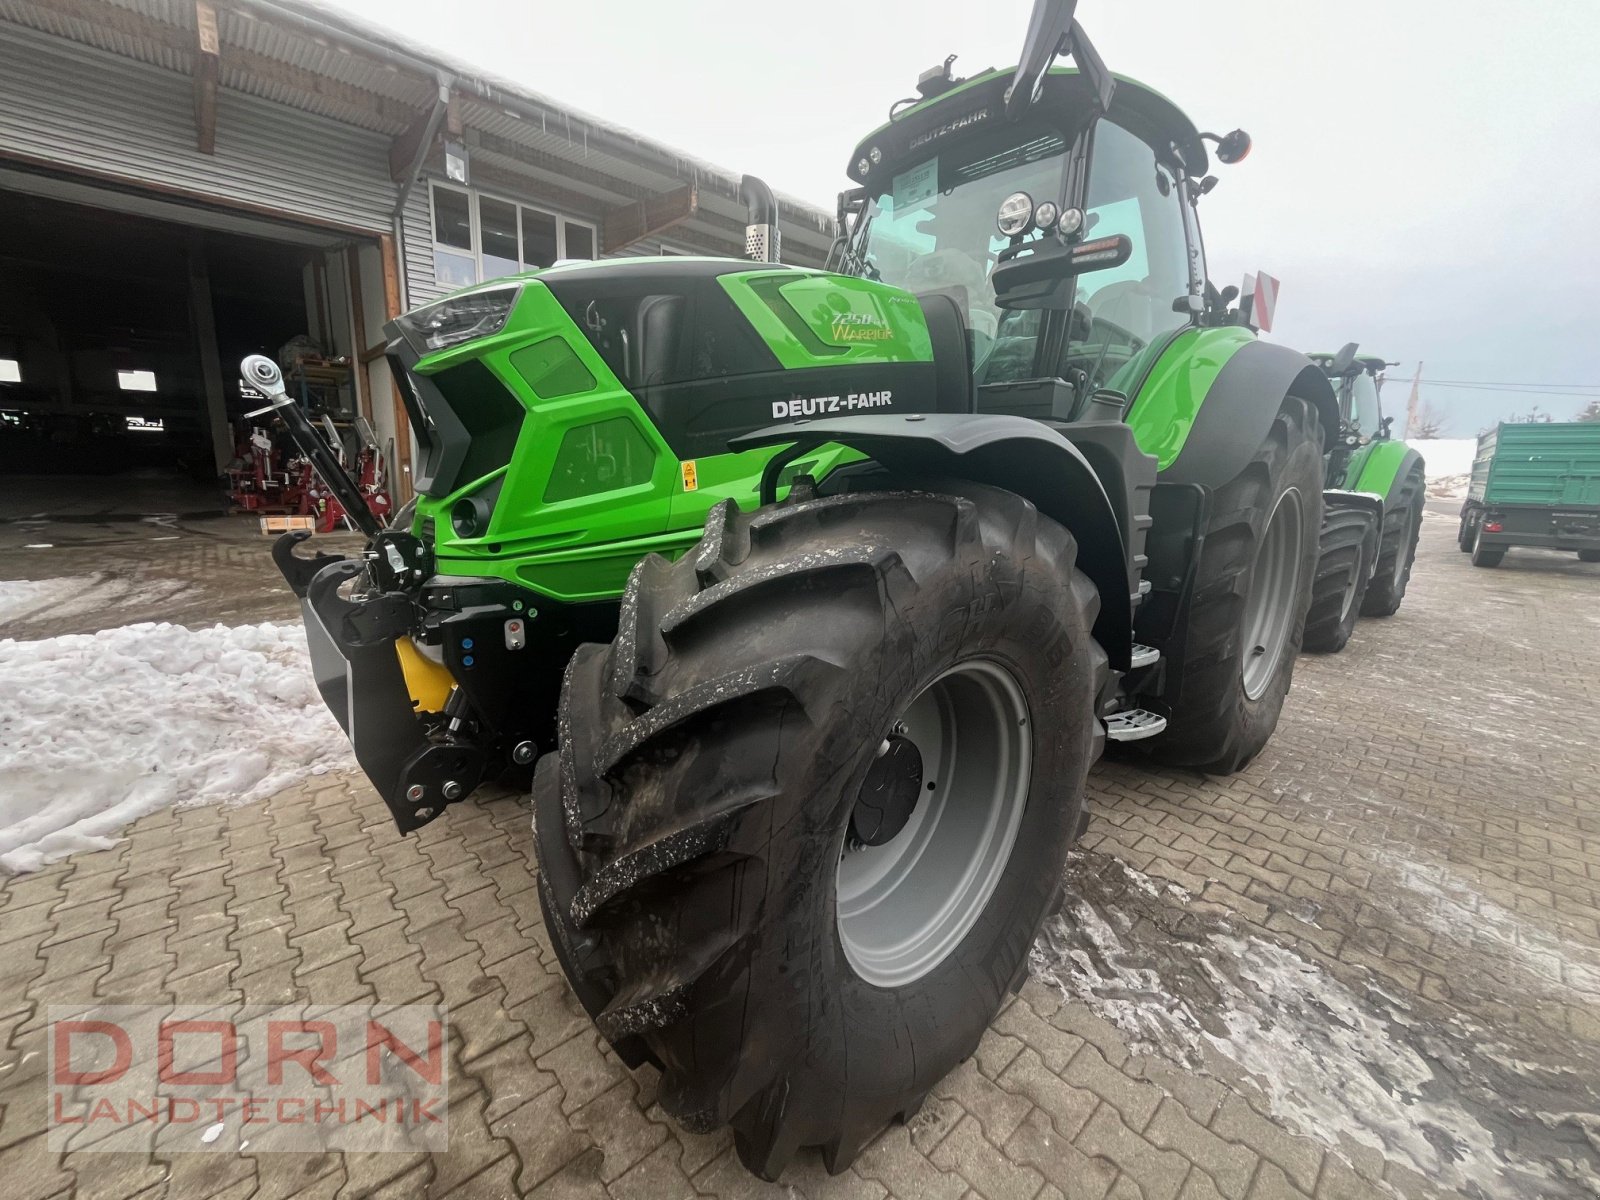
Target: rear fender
[
  {"x": 1015, "y": 453},
  {"x": 1239, "y": 408},
  {"x": 1385, "y": 469}
]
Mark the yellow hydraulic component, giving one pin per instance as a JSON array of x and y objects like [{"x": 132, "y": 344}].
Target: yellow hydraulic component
[{"x": 428, "y": 682}]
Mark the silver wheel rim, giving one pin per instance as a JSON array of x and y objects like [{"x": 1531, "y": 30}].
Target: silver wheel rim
[
  {"x": 1354, "y": 584},
  {"x": 905, "y": 905},
  {"x": 1274, "y": 583},
  {"x": 1400, "y": 558}
]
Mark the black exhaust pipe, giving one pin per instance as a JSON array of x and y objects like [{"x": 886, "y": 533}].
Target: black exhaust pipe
[{"x": 761, "y": 237}]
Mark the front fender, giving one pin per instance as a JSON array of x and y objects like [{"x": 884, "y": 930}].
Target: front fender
[
  {"x": 1208, "y": 403},
  {"x": 1018, "y": 454},
  {"x": 1384, "y": 471}
]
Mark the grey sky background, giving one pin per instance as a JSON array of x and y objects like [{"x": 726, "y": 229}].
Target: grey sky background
[{"x": 1424, "y": 179}]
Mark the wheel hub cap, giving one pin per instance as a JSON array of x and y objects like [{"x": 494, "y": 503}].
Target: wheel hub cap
[
  {"x": 935, "y": 823},
  {"x": 892, "y": 789}
]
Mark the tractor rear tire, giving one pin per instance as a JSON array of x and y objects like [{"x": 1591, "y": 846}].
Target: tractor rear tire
[
  {"x": 1219, "y": 723},
  {"x": 1343, "y": 571},
  {"x": 1589, "y": 556},
  {"x": 697, "y": 835},
  {"x": 1397, "y": 548}
]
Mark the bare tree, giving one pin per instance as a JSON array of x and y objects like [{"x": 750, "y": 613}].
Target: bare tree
[
  {"x": 1428, "y": 423},
  {"x": 1532, "y": 417}
]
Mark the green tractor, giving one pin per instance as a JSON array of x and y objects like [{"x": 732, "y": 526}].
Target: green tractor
[
  {"x": 816, "y": 594},
  {"x": 1372, "y": 508}
]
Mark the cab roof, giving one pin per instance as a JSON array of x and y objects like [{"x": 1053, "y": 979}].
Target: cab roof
[{"x": 1143, "y": 109}]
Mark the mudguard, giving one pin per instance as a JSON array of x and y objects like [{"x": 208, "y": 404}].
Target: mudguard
[
  {"x": 1386, "y": 466},
  {"x": 1237, "y": 408},
  {"x": 1016, "y": 453}
]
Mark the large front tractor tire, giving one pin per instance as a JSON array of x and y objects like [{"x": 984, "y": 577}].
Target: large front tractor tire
[
  {"x": 1344, "y": 567},
  {"x": 1247, "y": 612},
  {"x": 813, "y": 804},
  {"x": 1397, "y": 546}
]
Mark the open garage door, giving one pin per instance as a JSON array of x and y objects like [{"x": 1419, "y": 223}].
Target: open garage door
[{"x": 123, "y": 321}]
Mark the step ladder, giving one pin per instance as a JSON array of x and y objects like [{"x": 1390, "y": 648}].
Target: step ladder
[
  {"x": 1132, "y": 724},
  {"x": 1143, "y": 656}
]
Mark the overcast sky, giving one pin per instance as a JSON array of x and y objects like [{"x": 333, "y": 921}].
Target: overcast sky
[{"x": 1424, "y": 179}]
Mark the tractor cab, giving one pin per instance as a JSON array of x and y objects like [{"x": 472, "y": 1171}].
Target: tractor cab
[
  {"x": 1052, "y": 243},
  {"x": 1357, "y": 380}
]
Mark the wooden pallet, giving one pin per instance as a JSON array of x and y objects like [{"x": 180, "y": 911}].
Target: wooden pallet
[{"x": 285, "y": 524}]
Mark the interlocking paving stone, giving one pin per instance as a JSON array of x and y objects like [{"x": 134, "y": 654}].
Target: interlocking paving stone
[{"x": 1435, "y": 848}]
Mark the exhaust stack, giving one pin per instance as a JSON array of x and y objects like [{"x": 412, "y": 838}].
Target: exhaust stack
[{"x": 761, "y": 237}]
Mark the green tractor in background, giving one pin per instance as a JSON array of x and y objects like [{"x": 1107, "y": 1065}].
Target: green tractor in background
[
  {"x": 1372, "y": 510},
  {"x": 816, "y": 594}
]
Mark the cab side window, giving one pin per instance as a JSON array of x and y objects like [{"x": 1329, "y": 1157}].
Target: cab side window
[
  {"x": 1364, "y": 414},
  {"x": 1125, "y": 309}
]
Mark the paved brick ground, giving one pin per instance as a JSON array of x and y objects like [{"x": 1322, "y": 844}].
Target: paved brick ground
[{"x": 1421, "y": 840}]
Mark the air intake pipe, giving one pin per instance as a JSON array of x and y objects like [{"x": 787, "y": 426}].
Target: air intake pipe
[{"x": 761, "y": 238}]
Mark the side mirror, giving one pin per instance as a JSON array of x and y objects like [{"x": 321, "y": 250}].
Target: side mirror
[
  {"x": 1233, "y": 147},
  {"x": 1042, "y": 274}
]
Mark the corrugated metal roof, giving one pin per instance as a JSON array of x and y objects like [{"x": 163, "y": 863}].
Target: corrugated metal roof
[
  {"x": 379, "y": 81},
  {"x": 130, "y": 123}
]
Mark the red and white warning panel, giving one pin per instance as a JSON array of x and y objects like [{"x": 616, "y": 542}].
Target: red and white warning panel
[{"x": 1258, "y": 300}]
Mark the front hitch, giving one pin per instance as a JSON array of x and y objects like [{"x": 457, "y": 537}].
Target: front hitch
[{"x": 358, "y": 672}]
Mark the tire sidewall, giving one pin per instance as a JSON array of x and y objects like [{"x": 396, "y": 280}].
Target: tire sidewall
[
  {"x": 1301, "y": 472},
  {"x": 952, "y": 1003}
]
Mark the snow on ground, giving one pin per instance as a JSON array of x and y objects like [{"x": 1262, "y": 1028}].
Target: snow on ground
[
  {"x": 19, "y": 597},
  {"x": 1348, "y": 1065},
  {"x": 1448, "y": 464},
  {"x": 98, "y": 730}
]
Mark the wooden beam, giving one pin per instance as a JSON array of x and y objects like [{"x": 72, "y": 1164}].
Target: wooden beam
[
  {"x": 407, "y": 149},
  {"x": 524, "y": 187},
  {"x": 207, "y": 70},
  {"x": 358, "y": 333},
  {"x": 203, "y": 324},
  {"x": 633, "y": 222},
  {"x": 400, "y": 489},
  {"x": 578, "y": 173}
]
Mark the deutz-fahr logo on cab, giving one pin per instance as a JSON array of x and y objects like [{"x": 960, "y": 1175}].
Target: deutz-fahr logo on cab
[{"x": 817, "y": 406}]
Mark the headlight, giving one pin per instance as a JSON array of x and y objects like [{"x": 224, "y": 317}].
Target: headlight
[
  {"x": 458, "y": 319},
  {"x": 1016, "y": 214},
  {"x": 862, "y": 165},
  {"x": 1045, "y": 215}
]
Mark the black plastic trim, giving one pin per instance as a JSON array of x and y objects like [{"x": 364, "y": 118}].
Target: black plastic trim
[{"x": 1016, "y": 453}]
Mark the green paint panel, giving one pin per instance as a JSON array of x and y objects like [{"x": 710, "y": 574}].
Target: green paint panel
[
  {"x": 1376, "y": 466},
  {"x": 1164, "y": 411},
  {"x": 592, "y": 486},
  {"x": 1555, "y": 464},
  {"x": 812, "y": 319}
]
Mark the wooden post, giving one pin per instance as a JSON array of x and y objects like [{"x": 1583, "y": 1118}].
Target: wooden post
[
  {"x": 358, "y": 335},
  {"x": 202, "y": 321},
  {"x": 402, "y": 421},
  {"x": 207, "y": 69}
]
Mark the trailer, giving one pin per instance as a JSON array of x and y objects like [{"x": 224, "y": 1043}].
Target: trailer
[{"x": 1534, "y": 485}]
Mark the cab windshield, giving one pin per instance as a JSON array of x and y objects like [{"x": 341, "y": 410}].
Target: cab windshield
[{"x": 932, "y": 228}]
